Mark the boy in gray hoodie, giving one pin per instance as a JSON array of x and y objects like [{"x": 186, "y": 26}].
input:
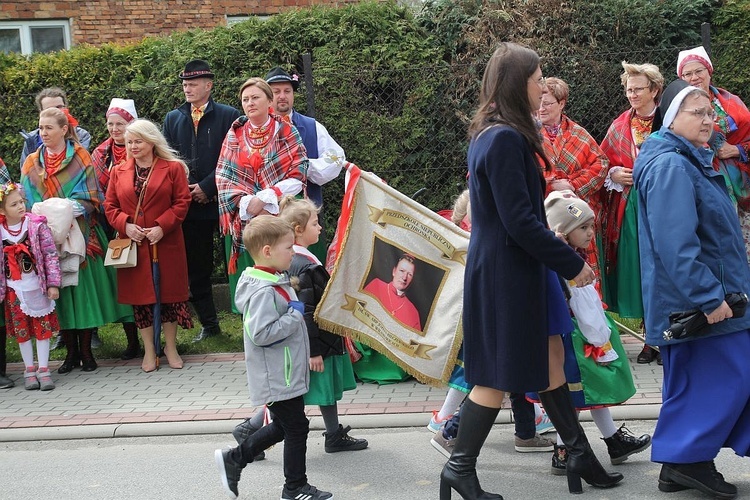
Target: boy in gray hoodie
[{"x": 277, "y": 352}]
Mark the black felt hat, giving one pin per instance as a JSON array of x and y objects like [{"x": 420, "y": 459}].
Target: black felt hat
[
  {"x": 196, "y": 68},
  {"x": 278, "y": 75}
]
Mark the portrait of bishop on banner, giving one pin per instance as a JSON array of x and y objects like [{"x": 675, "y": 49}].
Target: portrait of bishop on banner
[{"x": 397, "y": 282}]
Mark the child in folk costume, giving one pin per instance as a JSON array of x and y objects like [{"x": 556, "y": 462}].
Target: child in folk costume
[
  {"x": 331, "y": 370},
  {"x": 596, "y": 367},
  {"x": 30, "y": 283}
]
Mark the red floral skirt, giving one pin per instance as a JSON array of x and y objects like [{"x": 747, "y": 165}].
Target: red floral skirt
[
  {"x": 170, "y": 313},
  {"x": 24, "y": 327}
]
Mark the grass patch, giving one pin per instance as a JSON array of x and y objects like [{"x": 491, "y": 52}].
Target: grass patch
[{"x": 113, "y": 340}]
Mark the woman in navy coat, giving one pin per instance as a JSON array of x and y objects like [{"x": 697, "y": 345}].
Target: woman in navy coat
[{"x": 514, "y": 309}]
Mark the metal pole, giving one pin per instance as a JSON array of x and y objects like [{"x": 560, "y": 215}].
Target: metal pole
[
  {"x": 706, "y": 37},
  {"x": 309, "y": 89},
  {"x": 631, "y": 332}
]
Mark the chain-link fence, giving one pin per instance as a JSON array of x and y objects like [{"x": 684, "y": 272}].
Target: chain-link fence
[{"x": 389, "y": 122}]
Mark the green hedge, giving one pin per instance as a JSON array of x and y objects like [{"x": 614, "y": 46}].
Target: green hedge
[
  {"x": 394, "y": 89},
  {"x": 581, "y": 42}
]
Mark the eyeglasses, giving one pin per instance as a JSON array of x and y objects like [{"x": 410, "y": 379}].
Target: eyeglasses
[
  {"x": 689, "y": 74},
  {"x": 635, "y": 90},
  {"x": 549, "y": 104},
  {"x": 701, "y": 112},
  {"x": 541, "y": 81}
]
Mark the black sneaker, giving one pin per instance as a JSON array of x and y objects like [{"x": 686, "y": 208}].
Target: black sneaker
[
  {"x": 342, "y": 441},
  {"x": 5, "y": 382},
  {"x": 306, "y": 492},
  {"x": 207, "y": 332},
  {"x": 559, "y": 460},
  {"x": 701, "y": 476},
  {"x": 229, "y": 472},
  {"x": 243, "y": 431},
  {"x": 96, "y": 341},
  {"x": 622, "y": 444},
  {"x": 57, "y": 343}
]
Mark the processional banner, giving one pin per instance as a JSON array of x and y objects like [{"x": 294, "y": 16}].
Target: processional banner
[{"x": 397, "y": 279}]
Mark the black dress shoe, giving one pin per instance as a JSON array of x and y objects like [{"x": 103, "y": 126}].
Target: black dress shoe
[
  {"x": 206, "y": 332},
  {"x": 68, "y": 366},
  {"x": 701, "y": 476},
  {"x": 647, "y": 355},
  {"x": 131, "y": 352},
  {"x": 89, "y": 365}
]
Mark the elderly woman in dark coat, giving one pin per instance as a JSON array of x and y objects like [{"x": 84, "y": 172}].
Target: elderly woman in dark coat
[{"x": 513, "y": 302}]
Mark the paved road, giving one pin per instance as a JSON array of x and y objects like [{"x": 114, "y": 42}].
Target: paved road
[{"x": 400, "y": 464}]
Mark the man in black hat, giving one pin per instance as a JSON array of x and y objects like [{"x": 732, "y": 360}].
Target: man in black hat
[
  {"x": 196, "y": 131},
  {"x": 325, "y": 155}
]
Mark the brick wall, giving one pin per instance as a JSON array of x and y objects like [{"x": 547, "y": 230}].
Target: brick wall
[{"x": 100, "y": 21}]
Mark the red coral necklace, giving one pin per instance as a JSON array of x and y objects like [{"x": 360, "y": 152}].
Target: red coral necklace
[
  {"x": 12, "y": 232},
  {"x": 260, "y": 137}
]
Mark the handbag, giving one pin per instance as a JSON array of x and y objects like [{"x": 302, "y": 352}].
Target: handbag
[{"x": 122, "y": 252}]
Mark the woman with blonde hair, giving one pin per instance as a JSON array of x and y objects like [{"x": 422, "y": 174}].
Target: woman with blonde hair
[
  {"x": 643, "y": 85},
  {"x": 155, "y": 176}
]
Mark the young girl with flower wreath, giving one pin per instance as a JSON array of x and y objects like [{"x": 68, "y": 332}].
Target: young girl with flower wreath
[{"x": 29, "y": 283}]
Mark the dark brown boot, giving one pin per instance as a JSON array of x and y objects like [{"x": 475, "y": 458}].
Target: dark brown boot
[
  {"x": 134, "y": 348},
  {"x": 87, "y": 357},
  {"x": 73, "y": 357}
]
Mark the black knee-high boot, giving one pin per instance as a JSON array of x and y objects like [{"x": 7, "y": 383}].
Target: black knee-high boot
[
  {"x": 460, "y": 473},
  {"x": 133, "y": 348},
  {"x": 72, "y": 357},
  {"x": 582, "y": 462},
  {"x": 87, "y": 357}
]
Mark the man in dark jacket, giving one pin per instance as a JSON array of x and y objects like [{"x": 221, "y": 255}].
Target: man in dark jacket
[
  {"x": 325, "y": 155},
  {"x": 196, "y": 131},
  {"x": 52, "y": 97}
]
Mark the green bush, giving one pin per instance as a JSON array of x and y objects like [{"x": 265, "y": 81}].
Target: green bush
[
  {"x": 581, "y": 42},
  {"x": 367, "y": 91},
  {"x": 730, "y": 47},
  {"x": 394, "y": 89}
]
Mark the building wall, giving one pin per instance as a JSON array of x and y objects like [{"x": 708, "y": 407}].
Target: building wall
[{"x": 101, "y": 21}]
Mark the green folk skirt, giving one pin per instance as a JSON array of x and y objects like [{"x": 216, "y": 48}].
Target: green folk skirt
[
  {"x": 328, "y": 386},
  {"x": 243, "y": 262},
  {"x": 376, "y": 368},
  {"x": 622, "y": 287},
  {"x": 93, "y": 302}
]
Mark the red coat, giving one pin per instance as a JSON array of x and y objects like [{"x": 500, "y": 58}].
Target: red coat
[{"x": 165, "y": 204}]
